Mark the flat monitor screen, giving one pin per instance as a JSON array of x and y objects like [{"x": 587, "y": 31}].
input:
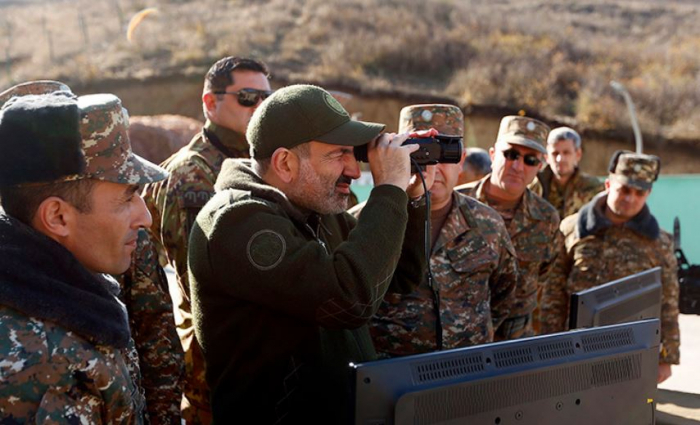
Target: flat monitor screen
[
  {"x": 635, "y": 297},
  {"x": 604, "y": 375}
]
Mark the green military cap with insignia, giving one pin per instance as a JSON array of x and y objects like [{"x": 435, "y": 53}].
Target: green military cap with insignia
[
  {"x": 523, "y": 131},
  {"x": 637, "y": 170},
  {"x": 303, "y": 113},
  {"x": 446, "y": 119},
  {"x": 57, "y": 136}
]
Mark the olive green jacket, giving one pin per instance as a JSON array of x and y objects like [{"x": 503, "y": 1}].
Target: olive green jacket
[{"x": 281, "y": 297}]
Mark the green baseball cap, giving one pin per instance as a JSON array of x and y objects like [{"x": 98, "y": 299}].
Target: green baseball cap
[{"x": 302, "y": 113}]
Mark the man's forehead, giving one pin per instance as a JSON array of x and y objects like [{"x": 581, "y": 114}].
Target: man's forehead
[
  {"x": 248, "y": 78},
  {"x": 562, "y": 144}
]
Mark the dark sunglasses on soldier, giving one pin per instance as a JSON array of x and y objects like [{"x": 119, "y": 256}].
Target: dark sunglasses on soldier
[
  {"x": 248, "y": 97},
  {"x": 529, "y": 159}
]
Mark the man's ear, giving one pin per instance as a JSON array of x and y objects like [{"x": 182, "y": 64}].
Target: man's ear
[
  {"x": 607, "y": 185},
  {"x": 285, "y": 164},
  {"x": 579, "y": 155},
  {"x": 464, "y": 156},
  {"x": 209, "y": 101},
  {"x": 492, "y": 153},
  {"x": 53, "y": 217}
]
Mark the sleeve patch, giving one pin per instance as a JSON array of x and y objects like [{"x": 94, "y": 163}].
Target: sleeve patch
[
  {"x": 266, "y": 249},
  {"x": 195, "y": 198}
]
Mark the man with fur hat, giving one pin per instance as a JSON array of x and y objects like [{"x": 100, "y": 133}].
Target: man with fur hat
[
  {"x": 284, "y": 281},
  {"x": 613, "y": 236},
  {"x": 69, "y": 189},
  {"x": 144, "y": 291},
  {"x": 562, "y": 182},
  {"x": 473, "y": 264},
  {"x": 531, "y": 221}
]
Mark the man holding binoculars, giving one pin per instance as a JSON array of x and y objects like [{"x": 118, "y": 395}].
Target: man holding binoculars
[{"x": 283, "y": 280}]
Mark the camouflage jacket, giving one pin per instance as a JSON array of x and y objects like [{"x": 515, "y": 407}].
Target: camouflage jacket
[
  {"x": 577, "y": 192},
  {"x": 475, "y": 271},
  {"x": 534, "y": 234},
  {"x": 66, "y": 354},
  {"x": 145, "y": 294},
  {"x": 597, "y": 252},
  {"x": 174, "y": 204}
]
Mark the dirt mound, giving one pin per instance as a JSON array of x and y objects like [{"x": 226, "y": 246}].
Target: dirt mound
[{"x": 159, "y": 136}]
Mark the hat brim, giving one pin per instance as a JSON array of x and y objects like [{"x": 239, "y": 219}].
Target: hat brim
[
  {"x": 135, "y": 170},
  {"x": 523, "y": 141},
  {"x": 352, "y": 133},
  {"x": 626, "y": 181}
]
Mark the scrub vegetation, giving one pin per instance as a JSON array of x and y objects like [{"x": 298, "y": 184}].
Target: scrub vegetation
[{"x": 551, "y": 58}]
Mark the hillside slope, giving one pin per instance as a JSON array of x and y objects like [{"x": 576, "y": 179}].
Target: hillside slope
[{"x": 555, "y": 58}]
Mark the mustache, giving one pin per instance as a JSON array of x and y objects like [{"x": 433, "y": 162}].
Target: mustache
[{"x": 343, "y": 179}]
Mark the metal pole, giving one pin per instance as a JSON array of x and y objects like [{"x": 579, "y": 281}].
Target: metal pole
[{"x": 618, "y": 87}]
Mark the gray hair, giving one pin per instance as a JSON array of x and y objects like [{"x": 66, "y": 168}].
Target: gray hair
[
  {"x": 564, "y": 133},
  {"x": 478, "y": 160}
]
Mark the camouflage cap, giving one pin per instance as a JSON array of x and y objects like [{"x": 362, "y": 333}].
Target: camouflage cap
[
  {"x": 634, "y": 169},
  {"x": 41, "y": 133},
  {"x": 302, "y": 113},
  {"x": 523, "y": 131},
  {"x": 447, "y": 119},
  {"x": 33, "y": 87}
]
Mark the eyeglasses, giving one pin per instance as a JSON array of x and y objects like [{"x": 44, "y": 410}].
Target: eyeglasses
[
  {"x": 248, "y": 97},
  {"x": 531, "y": 160}
]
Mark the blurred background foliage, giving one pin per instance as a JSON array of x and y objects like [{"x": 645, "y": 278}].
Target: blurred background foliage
[{"x": 554, "y": 58}]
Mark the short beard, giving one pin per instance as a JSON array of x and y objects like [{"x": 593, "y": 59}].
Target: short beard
[{"x": 306, "y": 194}]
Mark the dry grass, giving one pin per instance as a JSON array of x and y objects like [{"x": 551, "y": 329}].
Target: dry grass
[{"x": 554, "y": 58}]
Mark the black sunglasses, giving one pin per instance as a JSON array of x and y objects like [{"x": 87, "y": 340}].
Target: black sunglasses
[
  {"x": 248, "y": 97},
  {"x": 530, "y": 160}
]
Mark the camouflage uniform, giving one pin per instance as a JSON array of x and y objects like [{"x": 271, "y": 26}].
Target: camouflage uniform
[
  {"x": 174, "y": 204},
  {"x": 149, "y": 306},
  {"x": 61, "y": 363},
  {"x": 475, "y": 270},
  {"x": 49, "y": 374},
  {"x": 577, "y": 192},
  {"x": 473, "y": 267},
  {"x": 534, "y": 234},
  {"x": 145, "y": 293},
  {"x": 597, "y": 252}
]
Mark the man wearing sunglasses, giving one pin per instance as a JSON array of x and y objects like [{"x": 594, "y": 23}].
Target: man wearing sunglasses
[
  {"x": 472, "y": 262},
  {"x": 562, "y": 183},
  {"x": 613, "y": 236},
  {"x": 233, "y": 88},
  {"x": 531, "y": 221}
]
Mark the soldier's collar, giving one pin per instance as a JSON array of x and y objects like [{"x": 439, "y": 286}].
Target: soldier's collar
[
  {"x": 592, "y": 219},
  {"x": 231, "y": 143},
  {"x": 529, "y": 205}
]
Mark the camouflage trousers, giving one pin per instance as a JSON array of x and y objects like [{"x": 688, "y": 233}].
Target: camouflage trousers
[{"x": 195, "y": 400}]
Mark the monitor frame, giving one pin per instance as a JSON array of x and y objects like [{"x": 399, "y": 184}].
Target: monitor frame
[
  {"x": 601, "y": 375},
  {"x": 631, "y": 298}
]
